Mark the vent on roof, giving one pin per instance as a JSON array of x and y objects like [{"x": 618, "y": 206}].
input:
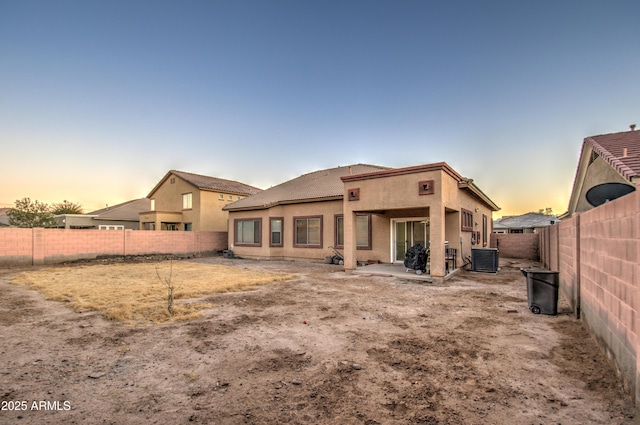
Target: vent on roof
[{"x": 594, "y": 156}]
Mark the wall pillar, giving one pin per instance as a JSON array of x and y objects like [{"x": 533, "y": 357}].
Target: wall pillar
[
  {"x": 436, "y": 244},
  {"x": 350, "y": 242},
  {"x": 38, "y": 246}
]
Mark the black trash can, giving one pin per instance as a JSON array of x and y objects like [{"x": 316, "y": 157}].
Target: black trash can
[{"x": 542, "y": 291}]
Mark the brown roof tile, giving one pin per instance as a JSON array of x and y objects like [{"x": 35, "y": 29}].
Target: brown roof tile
[
  {"x": 129, "y": 210},
  {"x": 322, "y": 184},
  {"x": 210, "y": 183},
  {"x": 611, "y": 147}
]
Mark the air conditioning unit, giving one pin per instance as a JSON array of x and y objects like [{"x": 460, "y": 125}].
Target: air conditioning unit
[{"x": 484, "y": 260}]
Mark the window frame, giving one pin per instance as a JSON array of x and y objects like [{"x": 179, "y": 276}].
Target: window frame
[
  {"x": 187, "y": 196},
  {"x": 271, "y": 220},
  {"x": 235, "y": 231},
  {"x": 295, "y": 231},
  {"x": 485, "y": 226},
  {"x": 466, "y": 220},
  {"x": 369, "y": 245}
]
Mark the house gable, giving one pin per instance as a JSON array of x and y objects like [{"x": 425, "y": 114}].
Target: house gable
[{"x": 608, "y": 158}]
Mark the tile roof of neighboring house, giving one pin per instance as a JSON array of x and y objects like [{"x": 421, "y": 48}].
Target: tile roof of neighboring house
[
  {"x": 322, "y": 184},
  {"x": 528, "y": 220},
  {"x": 611, "y": 147},
  {"x": 127, "y": 211},
  {"x": 210, "y": 183}
]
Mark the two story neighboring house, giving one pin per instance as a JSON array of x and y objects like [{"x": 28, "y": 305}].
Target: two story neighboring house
[
  {"x": 186, "y": 201},
  {"x": 609, "y": 167},
  {"x": 367, "y": 212}
]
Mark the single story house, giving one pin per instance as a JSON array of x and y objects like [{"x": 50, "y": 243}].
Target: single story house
[
  {"x": 4, "y": 218},
  {"x": 187, "y": 201},
  {"x": 609, "y": 167},
  {"x": 366, "y": 212},
  {"x": 117, "y": 217},
  {"x": 526, "y": 223}
]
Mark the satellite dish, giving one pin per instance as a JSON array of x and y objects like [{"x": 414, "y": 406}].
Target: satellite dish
[{"x": 606, "y": 192}]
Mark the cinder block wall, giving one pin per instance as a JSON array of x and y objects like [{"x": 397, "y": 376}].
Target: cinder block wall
[
  {"x": 568, "y": 260},
  {"x": 20, "y": 247},
  {"x": 597, "y": 255},
  {"x": 609, "y": 280},
  {"x": 516, "y": 245}
]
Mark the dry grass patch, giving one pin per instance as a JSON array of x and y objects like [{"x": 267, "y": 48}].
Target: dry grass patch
[{"x": 133, "y": 294}]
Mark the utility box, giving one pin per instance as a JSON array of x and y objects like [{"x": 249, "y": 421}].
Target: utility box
[
  {"x": 227, "y": 253},
  {"x": 484, "y": 260}
]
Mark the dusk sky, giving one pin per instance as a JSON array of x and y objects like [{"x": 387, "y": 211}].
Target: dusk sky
[{"x": 99, "y": 99}]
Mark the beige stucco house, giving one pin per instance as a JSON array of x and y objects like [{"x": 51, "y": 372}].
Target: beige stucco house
[
  {"x": 607, "y": 159},
  {"x": 368, "y": 213},
  {"x": 186, "y": 201}
]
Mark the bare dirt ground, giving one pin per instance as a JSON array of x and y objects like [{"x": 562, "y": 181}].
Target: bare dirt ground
[{"x": 325, "y": 348}]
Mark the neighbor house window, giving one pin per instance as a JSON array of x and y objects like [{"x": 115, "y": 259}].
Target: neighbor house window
[
  {"x": 363, "y": 231},
  {"x": 221, "y": 196},
  {"x": 188, "y": 227},
  {"x": 275, "y": 230},
  {"x": 187, "y": 199},
  {"x": 110, "y": 227},
  {"x": 467, "y": 221},
  {"x": 153, "y": 205},
  {"x": 308, "y": 232},
  {"x": 230, "y": 197},
  {"x": 149, "y": 226},
  {"x": 248, "y": 231}
]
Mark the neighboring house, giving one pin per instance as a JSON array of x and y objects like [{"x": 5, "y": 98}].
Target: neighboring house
[
  {"x": 612, "y": 159},
  {"x": 526, "y": 223},
  {"x": 370, "y": 213},
  {"x": 118, "y": 217},
  {"x": 4, "y": 218},
  {"x": 186, "y": 201}
]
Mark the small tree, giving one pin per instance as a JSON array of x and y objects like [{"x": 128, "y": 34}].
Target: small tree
[
  {"x": 66, "y": 207},
  {"x": 170, "y": 287},
  {"x": 31, "y": 214}
]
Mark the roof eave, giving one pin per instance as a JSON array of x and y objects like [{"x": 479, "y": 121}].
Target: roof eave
[{"x": 284, "y": 202}]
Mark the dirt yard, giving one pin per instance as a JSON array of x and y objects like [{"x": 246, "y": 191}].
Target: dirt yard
[{"x": 324, "y": 348}]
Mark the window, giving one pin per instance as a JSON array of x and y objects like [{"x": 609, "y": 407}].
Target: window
[
  {"x": 221, "y": 197},
  {"x": 308, "y": 232},
  {"x": 173, "y": 180},
  {"x": 112, "y": 227},
  {"x": 149, "y": 226},
  {"x": 187, "y": 201},
  {"x": 238, "y": 198},
  {"x": 153, "y": 205},
  {"x": 230, "y": 197},
  {"x": 363, "y": 231},
  {"x": 275, "y": 230},
  {"x": 484, "y": 230},
  {"x": 188, "y": 227},
  {"x": 467, "y": 220},
  {"x": 248, "y": 232}
]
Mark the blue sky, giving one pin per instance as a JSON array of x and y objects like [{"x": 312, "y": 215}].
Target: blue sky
[{"x": 99, "y": 99}]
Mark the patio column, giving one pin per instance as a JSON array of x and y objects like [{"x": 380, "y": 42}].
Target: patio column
[
  {"x": 436, "y": 243},
  {"x": 350, "y": 243}
]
